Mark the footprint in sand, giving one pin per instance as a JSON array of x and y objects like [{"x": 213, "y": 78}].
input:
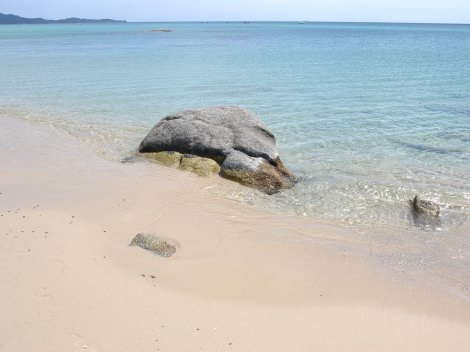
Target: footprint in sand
[{"x": 80, "y": 343}]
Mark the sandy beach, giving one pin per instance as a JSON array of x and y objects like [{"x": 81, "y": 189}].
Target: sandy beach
[{"x": 242, "y": 279}]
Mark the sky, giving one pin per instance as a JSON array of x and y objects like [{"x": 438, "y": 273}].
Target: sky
[{"x": 416, "y": 11}]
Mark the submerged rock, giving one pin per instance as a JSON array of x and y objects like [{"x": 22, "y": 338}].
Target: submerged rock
[
  {"x": 153, "y": 244},
  {"x": 233, "y": 137},
  {"x": 425, "y": 214},
  {"x": 425, "y": 207}
]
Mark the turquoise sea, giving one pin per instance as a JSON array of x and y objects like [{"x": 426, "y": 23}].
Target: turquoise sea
[{"x": 368, "y": 115}]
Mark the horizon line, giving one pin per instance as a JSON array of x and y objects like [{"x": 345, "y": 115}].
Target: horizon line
[
  {"x": 295, "y": 21},
  {"x": 304, "y": 21}
]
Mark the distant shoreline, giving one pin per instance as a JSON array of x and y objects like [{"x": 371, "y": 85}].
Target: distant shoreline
[{"x": 14, "y": 19}]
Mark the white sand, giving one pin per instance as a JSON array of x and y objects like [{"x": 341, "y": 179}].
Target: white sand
[{"x": 242, "y": 279}]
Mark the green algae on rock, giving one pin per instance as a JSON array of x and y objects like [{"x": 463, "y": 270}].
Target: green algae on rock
[
  {"x": 170, "y": 159},
  {"x": 200, "y": 166},
  {"x": 187, "y": 162}
]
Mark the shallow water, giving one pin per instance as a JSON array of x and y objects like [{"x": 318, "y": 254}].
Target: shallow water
[{"x": 368, "y": 115}]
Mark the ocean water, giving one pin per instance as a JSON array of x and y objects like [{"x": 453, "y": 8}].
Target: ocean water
[{"x": 368, "y": 115}]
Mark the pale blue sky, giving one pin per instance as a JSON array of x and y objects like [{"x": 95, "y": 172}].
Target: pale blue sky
[{"x": 453, "y": 11}]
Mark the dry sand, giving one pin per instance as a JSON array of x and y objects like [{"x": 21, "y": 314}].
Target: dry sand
[{"x": 242, "y": 279}]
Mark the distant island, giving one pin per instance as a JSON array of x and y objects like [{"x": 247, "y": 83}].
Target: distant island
[{"x": 14, "y": 19}]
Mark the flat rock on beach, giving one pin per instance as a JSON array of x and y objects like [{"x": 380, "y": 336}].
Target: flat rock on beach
[{"x": 154, "y": 244}]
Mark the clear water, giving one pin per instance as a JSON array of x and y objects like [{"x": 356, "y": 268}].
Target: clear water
[{"x": 368, "y": 115}]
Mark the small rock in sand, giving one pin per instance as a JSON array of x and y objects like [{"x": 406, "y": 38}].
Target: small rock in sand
[
  {"x": 153, "y": 244},
  {"x": 425, "y": 214},
  {"x": 425, "y": 207}
]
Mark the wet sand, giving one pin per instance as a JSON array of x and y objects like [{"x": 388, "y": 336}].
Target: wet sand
[{"x": 242, "y": 279}]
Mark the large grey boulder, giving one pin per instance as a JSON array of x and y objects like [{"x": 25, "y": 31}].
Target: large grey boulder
[{"x": 244, "y": 148}]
